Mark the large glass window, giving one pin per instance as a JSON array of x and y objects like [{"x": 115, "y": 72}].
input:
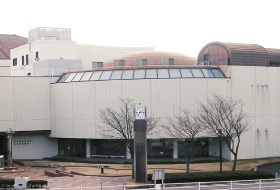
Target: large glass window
[
  {"x": 207, "y": 73},
  {"x": 127, "y": 74},
  {"x": 163, "y": 73},
  {"x": 119, "y": 63},
  {"x": 218, "y": 73},
  {"x": 186, "y": 73},
  {"x": 95, "y": 75},
  {"x": 174, "y": 73},
  {"x": 151, "y": 73},
  {"x": 78, "y": 77},
  {"x": 70, "y": 77},
  {"x": 141, "y": 62},
  {"x": 117, "y": 74},
  {"x": 86, "y": 76},
  {"x": 62, "y": 79},
  {"x": 197, "y": 73},
  {"x": 139, "y": 74},
  {"x": 105, "y": 75}
]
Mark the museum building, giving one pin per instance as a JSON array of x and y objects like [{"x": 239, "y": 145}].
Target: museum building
[{"x": 61, "y": 115}]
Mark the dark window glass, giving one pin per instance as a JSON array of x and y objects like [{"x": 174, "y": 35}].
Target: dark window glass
[
  {"x": 22, "y": 60},
  {"x": 119, "y": 63},
  {"x": 15, "y": 62},
  {"x": 37, "y": 54},
  {"x": 171, "y": 61},
  {"x": 26, "y": 57},
  {"x": 206, "y": 57}
]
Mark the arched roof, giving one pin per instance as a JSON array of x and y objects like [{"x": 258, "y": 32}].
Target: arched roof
[
  {"x": 154, "y": 58},
  {"x": 238, "y": 53},
  {"x": 274, "y": 55},
  {"x": 239, "y": 47}
]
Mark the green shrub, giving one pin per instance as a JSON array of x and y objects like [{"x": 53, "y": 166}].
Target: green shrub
[
  {"x": 37, "y": 183},
  {"x": 7, "y": 183},
  {"x": 214, "y": 176}
]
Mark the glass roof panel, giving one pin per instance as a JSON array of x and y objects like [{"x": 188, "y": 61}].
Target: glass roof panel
[
  {"x": 127, "y": 74},
  {"x": 151, "y": 73},
  {"x": 95, "y": 75},
  {"x": 218, "y": 73},
  {"x": 163, "y": 73},
  {"x": 174, "y": 73},
  {"x": 117, "y": 74},
  {"x": 207, "y": 73},
  {"x": 78, "y": 77},
  {"x": 86, "y": 76},
  {"x": 186, "y": 73},
  {"x": 70, "y": 77},
  {"x": 197, "y": 73},
  {"x": 139, "y": 74},
  {"x": 63, "y": 78},
  {"x": 105, "y": 75}
]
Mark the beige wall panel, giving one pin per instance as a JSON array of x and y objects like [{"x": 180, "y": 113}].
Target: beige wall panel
[
  {"x": 83, "y": 100},
  {"x": 64, "y": 129},
  {"x": 247, "y": 147},
  {"x": 266, "y": 91},
  {"x": 85, "y": 128},
  {"x": 5, "y": 125},
  {"x": 266, "y": 141},
  {"x": 244, "y": 88},
  {"x": 63, "y": 101},
  {"x": 33, "y": 147},
  {"x": 6, "y": 99},
  {"x": 193, "y": 91}
]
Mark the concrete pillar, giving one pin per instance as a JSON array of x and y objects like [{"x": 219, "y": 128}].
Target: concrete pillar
[
  {"x": 175, "y": 149},
  {"x": 88, "y": 148},
  {"x": 127, "y": 155}
]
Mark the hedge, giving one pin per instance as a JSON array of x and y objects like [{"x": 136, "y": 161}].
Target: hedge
[
  {"x": 7, "y": 183},
  {"x": 214, "y": 176},
  {"x": 37, "y": 183}
]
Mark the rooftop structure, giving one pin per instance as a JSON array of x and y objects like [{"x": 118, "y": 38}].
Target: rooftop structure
[{"x": 8, "y": 42}]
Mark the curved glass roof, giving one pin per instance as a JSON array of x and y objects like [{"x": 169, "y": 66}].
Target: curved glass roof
[{"x": 133, "y": 74}]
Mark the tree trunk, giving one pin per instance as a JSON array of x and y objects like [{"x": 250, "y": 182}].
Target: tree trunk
[
  {"x": 188, "y": 164},
  {"x": 234, "y": 162}
]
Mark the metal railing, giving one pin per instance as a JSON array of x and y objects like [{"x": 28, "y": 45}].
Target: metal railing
[{"x": 260, "y": 184}]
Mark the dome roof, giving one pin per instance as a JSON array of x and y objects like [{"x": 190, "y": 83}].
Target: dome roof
[{"x": 154, "y": 58}]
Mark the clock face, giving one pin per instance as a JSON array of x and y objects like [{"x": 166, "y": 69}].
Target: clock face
[{"x": 140, "y": 112}]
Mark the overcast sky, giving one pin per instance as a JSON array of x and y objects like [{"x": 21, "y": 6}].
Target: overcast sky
[{"x": 180, "y": 26}]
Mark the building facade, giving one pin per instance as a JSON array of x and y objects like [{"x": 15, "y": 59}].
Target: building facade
[{"x": 61, "y": 115}]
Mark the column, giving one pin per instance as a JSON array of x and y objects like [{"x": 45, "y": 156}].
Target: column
[
  {"x": 175, "y": 149},
  {"x": 88, "y": 148}
]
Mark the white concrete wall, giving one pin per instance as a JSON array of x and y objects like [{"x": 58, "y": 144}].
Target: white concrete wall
[
  {"x": 93, "y": 53},
  {"x": 25, "y": 103},
  {"x": 48, "y": 49},
  {"x": 5, "y": 68},
  {"x": 33, "y": 147},
  {"x": 262, "y": 106},
  {"x": 77, "y": 105}
]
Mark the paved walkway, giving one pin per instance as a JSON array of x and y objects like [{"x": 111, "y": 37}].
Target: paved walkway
[{"x": 64, "y": 182}]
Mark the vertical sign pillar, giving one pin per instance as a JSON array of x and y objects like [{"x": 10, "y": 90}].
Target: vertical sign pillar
[{"x": 140, "y": 151}]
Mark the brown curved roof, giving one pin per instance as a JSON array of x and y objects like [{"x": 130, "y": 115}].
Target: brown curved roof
[
  {"x": 241, "y": 54},
  {"x": 8, "y": 42},
  {"x": 154, "y": 58},
  {"x": 274, "y": 55}
]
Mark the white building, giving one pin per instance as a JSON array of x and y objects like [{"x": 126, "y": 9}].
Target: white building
[
  {"x": 51, "y": 52},
  {"x": 60, "y": 115},
  {"x": 8, "y": 42}
]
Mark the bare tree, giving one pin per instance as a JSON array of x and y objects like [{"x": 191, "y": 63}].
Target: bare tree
[
  {"x": 228, "y": 115},
  {"x": 185, "y": 129},
  {"x": 118, "y": 124}
]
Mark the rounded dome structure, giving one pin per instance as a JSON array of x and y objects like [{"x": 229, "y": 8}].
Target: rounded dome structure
[{"x": 151, "y": 59}]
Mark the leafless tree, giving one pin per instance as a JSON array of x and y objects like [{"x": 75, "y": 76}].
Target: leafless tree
[
  {"x": 228, "y": 115},
  {"x": 118, "y": 124},
  {"x": 185, "y": 129}
]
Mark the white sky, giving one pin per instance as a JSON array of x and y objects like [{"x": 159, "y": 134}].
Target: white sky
[{"x": 180, "y": 26}]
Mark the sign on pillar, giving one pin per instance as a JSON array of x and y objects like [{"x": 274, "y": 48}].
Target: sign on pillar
[{"x": 140, "y": 145}]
